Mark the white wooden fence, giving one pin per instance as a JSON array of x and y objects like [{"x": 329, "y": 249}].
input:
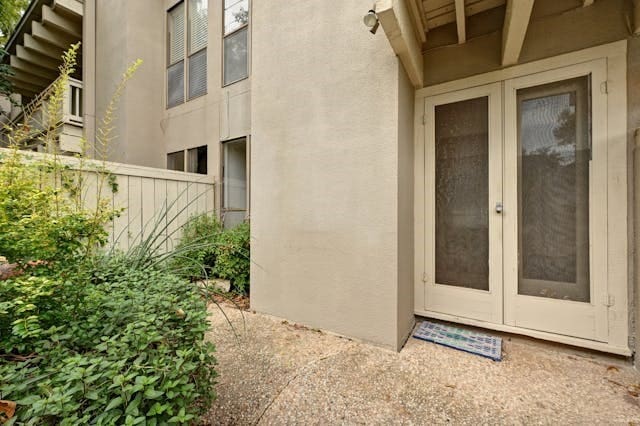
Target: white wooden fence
[{"x": 147, "y": 195}]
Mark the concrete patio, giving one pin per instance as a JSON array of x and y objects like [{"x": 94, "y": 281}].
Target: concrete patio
[{"x": 275, "y": 372}]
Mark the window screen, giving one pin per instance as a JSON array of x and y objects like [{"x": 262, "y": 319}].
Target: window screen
[
  {"x": 197, "y": 48},
  {"x": 197, "y": 160},
  {"x": 175, "y": 161},
  {"x": 176, "y": 34},
  {"x": 236, "y": 20},
  {"x": 235, "y": 56}
]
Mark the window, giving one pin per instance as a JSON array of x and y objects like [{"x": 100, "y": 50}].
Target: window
[
  {"x": 175, "y": 161},
  {"x": 197, "y": 160},
  {"x": 234, "y": 182},
  {"x": 187, "y": 51},
  {"x": 235, "y": 56}
]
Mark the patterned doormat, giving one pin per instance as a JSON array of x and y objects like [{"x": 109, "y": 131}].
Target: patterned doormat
[{"x": 461, "y": 339}]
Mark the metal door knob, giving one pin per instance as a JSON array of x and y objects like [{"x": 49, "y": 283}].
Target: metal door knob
[{"x": 499, "y": 207}]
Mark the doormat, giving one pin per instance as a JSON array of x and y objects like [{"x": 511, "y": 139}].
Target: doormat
[{"x": 461, "y": 339}]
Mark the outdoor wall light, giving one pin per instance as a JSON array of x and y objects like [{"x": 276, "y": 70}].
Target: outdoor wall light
[{"x": 371, "y": 21}]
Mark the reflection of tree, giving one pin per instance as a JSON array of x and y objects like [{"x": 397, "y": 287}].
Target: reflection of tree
[
  {"x": 565, "y": 132},
  {"x": 241, "y": 16}
]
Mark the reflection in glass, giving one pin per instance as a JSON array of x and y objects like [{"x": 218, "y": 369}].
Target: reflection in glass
[
  {"x": 236, "y": 14},
  {"x": 235, "y": 56},
  {"x": 553, "y": 190},
  {"x": 462, "y": 193}
]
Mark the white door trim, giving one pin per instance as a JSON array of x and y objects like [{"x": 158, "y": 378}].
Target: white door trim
[
  {"x": 475, "y": 304},
  {"x": 616, "y": 196}
]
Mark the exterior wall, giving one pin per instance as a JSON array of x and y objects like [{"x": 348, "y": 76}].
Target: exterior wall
[
  {"x": 122, "y": 31},
  {"x": 405, "y": 207},
  {"x": 633, "y": 117},
  {"x": 325, "y": 170},
  {"x": 547, "y": 36}
]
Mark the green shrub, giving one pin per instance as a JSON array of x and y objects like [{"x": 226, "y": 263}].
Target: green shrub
[
  {"x": 197, "y": 246},
  {"x": 232, "y": 254},
  {"x": 119, "y": 347},
  {"x": 207, "y": 250}
]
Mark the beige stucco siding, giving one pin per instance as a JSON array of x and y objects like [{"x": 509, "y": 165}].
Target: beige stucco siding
[
  {"x": 405, "y": 206},
  {"x": 633, "y": 117},
  {"x": 325, "y": 169}
]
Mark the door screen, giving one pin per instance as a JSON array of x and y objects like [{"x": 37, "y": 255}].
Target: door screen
[{"x": 553, "y": 190}]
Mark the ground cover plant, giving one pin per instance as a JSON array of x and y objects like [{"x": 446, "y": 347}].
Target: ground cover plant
[{"x": 89, "y": 336}]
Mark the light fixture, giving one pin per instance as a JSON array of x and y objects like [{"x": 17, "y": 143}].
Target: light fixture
[{"x": 371, "y": 21}]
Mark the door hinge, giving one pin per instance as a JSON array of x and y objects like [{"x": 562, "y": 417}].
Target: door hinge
[
  {"x": 424, "y": 118},
  {"x": 604, "y": 87},
  {"x": 609, "y": 300},
  {"x": 424, "y": 277}
]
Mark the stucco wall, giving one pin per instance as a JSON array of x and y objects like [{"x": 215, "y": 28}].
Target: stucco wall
[
  {"x": 547, "y": 35},
  {"x": 146, "y": 129},
  {"x": 633, "y": 118},
  {"x": 406, "y": 94},
  {"x": 324, "y": 164},
  {"x": 126, "y": 31}
]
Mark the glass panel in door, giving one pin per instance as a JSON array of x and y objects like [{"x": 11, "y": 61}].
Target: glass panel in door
[
  {"x": 462, "y": 193},
  {"x": 553, "y": 190}
]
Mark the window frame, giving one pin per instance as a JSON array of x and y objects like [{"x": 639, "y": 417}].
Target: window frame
[
  {"x": 229, "y": 34},
  {"x": 188, "y": 54},
  {"x": 223, "y": 208}
]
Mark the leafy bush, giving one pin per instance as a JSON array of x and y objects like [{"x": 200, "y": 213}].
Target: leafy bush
[
  {"x": 118, "y": 346},
  {"x": 232, "y": 257},
  {"x": 88, "y": 337},
  {"x": 208, "y": 250}
]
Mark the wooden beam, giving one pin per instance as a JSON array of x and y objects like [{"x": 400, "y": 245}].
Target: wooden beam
[
  {"x": 42, "y": 48},
  {"x": 447, "y": 14},
  {"x": 417, "y": 20},
  {"x": 74, "y": 7},
  {"x": 69, "y": 25},
  {"x": 51, "y": 35},
  {"x": 28, "y": 87},
  {"x": 38, "y": 59},
  {"x": 395, "y": 19},
  {"x": 636, "y": 17},
  {"x": 28, "y": 67},
  {"x": 516, "y": 21},
  {"x": 30, "y": 78},
  {"x": 461, "y": 21}
]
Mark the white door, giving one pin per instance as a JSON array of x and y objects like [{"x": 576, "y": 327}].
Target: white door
[
  {"x": 555, "y": 217},
  {"x": 515, "y": 226},
  {"x": 463, "y": 181}
]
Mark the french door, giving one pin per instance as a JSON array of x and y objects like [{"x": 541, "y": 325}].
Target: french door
[{"x": 515, "y": 179}]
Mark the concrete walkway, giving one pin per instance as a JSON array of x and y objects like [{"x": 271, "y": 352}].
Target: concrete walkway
[{"x": 280, "y": 373}]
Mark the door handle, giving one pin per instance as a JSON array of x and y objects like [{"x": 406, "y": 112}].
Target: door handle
[{"x": 499, "y": 207}]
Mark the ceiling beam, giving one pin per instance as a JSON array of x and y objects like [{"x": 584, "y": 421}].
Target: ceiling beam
[
  {"x": 69, "y": 25},
  {"x": 74, "y": 7},
  {"x": 38, "y": 59},
  {"x": 461, "y": 21},
  {"x": 30, "y": 78},
  {"x": 51, "y": 35},
  {"x": 516, "y": 21},
  {"x": 418, "y": 17},
  {"x": 24, "y": 66},
  {"x": 395, "y": 19},
  {"x": 26, "y": 87},
  {"x": 447, "y": 14},
  {"x": 43, "y": 48}
]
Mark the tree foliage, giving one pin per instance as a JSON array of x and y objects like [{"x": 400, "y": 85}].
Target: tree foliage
[{"x": 10, "y": 13}]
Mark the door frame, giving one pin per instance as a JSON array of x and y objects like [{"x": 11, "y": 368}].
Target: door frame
[
  {"x": 614, "y": 89},
  {"x": 468, "y": 302}
]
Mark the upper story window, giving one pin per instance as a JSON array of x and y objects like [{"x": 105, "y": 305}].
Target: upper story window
[
  {"x": 235, "y": 52},
  {"x": 187, "y": 51}
]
